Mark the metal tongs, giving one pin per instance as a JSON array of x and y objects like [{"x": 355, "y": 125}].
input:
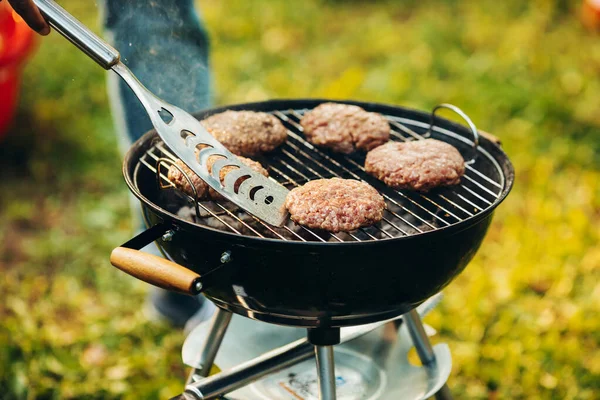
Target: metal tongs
[{"x": 182, "y": 133}]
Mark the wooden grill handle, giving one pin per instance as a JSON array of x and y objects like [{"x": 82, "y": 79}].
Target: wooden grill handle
[{"x": 156, "y": 271}]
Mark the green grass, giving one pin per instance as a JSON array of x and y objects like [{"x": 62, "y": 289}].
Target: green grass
[{"x": 522, "y": 321}]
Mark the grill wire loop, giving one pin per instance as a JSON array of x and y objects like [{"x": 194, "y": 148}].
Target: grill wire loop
[{"x": 466, "y": 118}]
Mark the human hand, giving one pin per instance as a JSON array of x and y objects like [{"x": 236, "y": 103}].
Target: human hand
[{"x": 31, "y": 15}]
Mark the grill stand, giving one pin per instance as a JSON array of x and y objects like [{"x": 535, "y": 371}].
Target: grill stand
[
  {"x": 324, "y": 339},
  {"x": 218, "y": 327},
  {"x": 319, "y": 343},
  {"x": 326, "y": 372},
  {"x": 423, "y": 347}
]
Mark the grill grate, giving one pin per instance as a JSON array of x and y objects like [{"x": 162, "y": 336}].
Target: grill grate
[{"x": 298, "y": 162}]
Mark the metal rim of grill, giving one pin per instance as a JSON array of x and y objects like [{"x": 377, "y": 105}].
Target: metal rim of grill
[{"x": 298, "y": 161}]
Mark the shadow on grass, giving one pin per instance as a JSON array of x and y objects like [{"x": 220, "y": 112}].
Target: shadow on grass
[{"x": 34, "y": 151}]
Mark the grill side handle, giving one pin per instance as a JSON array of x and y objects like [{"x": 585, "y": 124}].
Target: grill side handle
[
  {"x": 490, "y": 137},
  {"x": 156, "y": 271}
]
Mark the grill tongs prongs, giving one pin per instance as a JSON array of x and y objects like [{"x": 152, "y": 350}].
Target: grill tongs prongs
[{"x": 182, "y": 133}]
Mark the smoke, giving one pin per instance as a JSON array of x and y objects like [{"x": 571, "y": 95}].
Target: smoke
[{"x": 166, "y": 46}]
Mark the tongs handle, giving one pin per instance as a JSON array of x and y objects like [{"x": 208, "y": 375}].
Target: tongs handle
[{"x": 78, "y": 34}]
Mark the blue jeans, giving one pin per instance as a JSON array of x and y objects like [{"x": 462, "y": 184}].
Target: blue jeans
[{"x": 165, "y": 45}]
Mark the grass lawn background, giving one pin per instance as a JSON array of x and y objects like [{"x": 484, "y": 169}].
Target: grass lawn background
[{"x": 522, "y": 321}]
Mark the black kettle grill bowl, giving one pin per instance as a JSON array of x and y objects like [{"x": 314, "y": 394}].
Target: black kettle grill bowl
[{"x": 316, "y": 284}]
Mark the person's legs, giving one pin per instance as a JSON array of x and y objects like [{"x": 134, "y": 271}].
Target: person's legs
[{"x": 166, "y": 46}]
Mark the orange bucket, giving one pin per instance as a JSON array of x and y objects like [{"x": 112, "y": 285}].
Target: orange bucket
[
  {"x": 17, "y": 42},
  {"x": 590, "y": 14}
]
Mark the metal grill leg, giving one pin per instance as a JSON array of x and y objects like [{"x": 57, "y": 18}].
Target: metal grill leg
[
  {"x": 326, "y": 372},
  {"x": 423, "y": 347},
  {"x": 218, "y": 327}
]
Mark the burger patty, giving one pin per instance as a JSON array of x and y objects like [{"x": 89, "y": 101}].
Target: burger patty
[
  {"x": 246, "y": 133},
  {"x": 345, "y": 128},
  {"x": 204, "y": 191},
  {"x": 335, "y": 205},
  {"x": 419, "y": 165}
]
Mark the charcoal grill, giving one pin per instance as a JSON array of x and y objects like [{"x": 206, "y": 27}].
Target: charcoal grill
[
  {"x": 292, "y": 275},
  {"x": 297, "y": 276}
]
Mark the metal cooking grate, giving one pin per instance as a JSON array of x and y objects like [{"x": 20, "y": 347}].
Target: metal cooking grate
[{"x": 298, "y": 161}]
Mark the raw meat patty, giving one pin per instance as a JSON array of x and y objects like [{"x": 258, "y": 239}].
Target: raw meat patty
[
  {"x": 419, "y": 165},
  {"x": 246, "y": 133},
  {"x": 202, "y": 189},
  {"x": 335, "y": 205},
  {"x": 345, "y": 128}
]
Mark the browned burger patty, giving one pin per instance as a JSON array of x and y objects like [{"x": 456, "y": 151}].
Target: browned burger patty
[
  {"x": 335, "y": 205},
  {"x": 246, "y": 133},
  {"x": 420, "y": 165},
  {"x": 202, "y": 189},
  {"x": 180, "y": 181},
  {"x": 345, "y": 128}
]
